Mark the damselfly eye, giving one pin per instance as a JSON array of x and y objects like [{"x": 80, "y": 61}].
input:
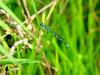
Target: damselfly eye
[
  {"x": 42, "y": 26},
  {"x": 45, "y": 27}
]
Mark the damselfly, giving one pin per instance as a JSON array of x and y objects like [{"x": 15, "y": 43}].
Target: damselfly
[{"x": 54, "y": 34}]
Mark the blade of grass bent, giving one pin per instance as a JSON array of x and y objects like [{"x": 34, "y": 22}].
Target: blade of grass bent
[
  {"x": 3, "y": 6},
  {"x": 17, "y": 61}
]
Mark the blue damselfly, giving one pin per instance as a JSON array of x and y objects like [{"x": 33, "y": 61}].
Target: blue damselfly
[{"x": 54, "y": 34}]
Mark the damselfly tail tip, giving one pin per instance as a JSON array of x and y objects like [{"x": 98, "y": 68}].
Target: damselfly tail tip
[{"x": 66, "y": 45}]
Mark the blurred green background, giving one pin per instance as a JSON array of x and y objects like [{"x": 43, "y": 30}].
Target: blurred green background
[{"x": 77, "y": 21}]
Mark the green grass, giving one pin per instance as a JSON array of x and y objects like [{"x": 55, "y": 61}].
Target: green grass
[{"x": 26, "y": 49}]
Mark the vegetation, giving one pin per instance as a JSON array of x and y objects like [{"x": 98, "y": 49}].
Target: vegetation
[{"x": 26, "y": 48}]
